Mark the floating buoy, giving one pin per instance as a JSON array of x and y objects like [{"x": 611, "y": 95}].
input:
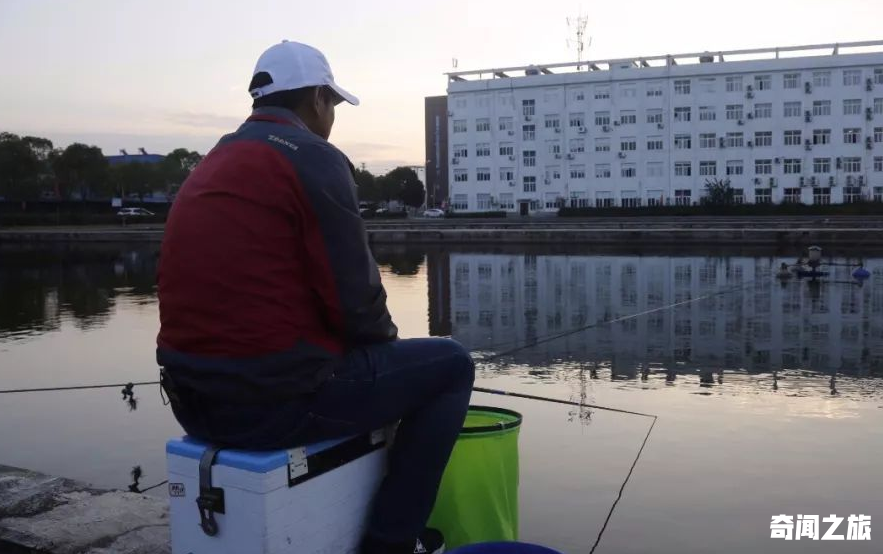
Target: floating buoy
[{"x": 861, "y": 273}]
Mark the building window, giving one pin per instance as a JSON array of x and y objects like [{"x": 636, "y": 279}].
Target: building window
[
  {"x": 603, "y": 199},
  {"x": 734, "y": 111},
  {"x": 602, "y": 145},
  {"x": 578, "y": 95},
  {"x": 627, "y": 91},
  {"x": 553, "y": 121},
  {"x": 734, "y": 84},
  {"x": 793, "y": 109},
  {"x": 682, "y": 114},
  {"x": 707, "y": 85},
  {"x": 654, "y": 143},
  {"x": 602, "y": 93},
  {"x": 763, "y": 196},
  {"x": 628, "y": 144},
  {"x": 682, "y": 197},
  {"x": 528, "y": 108},
  {"x": 852, "y": 107},
  {"x": 821, "y": 195},
  {"x": 577, "y": 120},
  {"x": 852, "y": 77},
  {"x": 792, "y": 138},
  {"x": 655, "y": 198},
  {"x": 683, "y": 169},
  {"x": 530, "y": 183},
  {"x": 738, "y": 196},
  {"x": 791, "y": 80},
  {"x": 602, "y": 118},
  {"x": 878, "y": 164},
  {"x": 602, "y": 171},
  {"x": 683, "y": 142},
  {"x": 628, "y": 170},
  {"x": 482, "y": 125},
  {"x": 707, "y": 140},
  {"x": 578, "y": 172},
  {"x": 735, "y": 140},
  {"x": 852, "y": 194},
  {"x": 878, "y": 76},
  {"x": 506, "y": 149},
  {"x": 852, "y": 135},
  {"x": 528, "y": 132},
  {"x": 821, "y": 165},
  {"x": 821, "y": 79},
  {"x": 461, "y": 176},
  {"x": 577, "y": 145},
  {"x": 507, "y": 201},
  {"x": 708, "y": 169},
  {"x": 707, "y": 113},
  {"x": 763, "y": 138},
  {"x": 483, "y": 174},
  {"x": 553, "y": 146},
  {"x": 505, "y": 123},
  {"x": 553, "y": 201},
  {"x": 763, "y": 111},
  {"x": 878, "y": 194},
  {"x": 852, "y": 165},
  {"x": 792, "y": 166},
  {"x": 821, "y": 136},
  {"x": 460, "y": 202},
  {"x": 507, "y": 101},
  {"x": 654, "y": 116},
  {"x": 878, "y": 134},
  {"x": 482, "y": 149},
  {"x": 763, "y": 167},
  {"x": 628, "y": 118},
  {"x": 682, "y": 86},
  {"x": 763, "y": 82},
  {"x": 529, "y": 158},
  {"x": 460, "y": 103},
  {"x": 459, "y": 125},
  {"x": 507, "y": 174},
  {"x": 460, "y": 151},
  {"x": 654, "y": 169},
  {"x": 553, "y": 173},
  {"x": 654, "y": 89},
  {"x": 878, "y": 106},
  {"x": 578, "y": 200},
  {"x": 735, "y": 167},
  {"x": 630, "y": 200},
  {"x": 792, "y": 195},
  {"x": 821, "y": 108},
  {"x": 550, "y": 96}
]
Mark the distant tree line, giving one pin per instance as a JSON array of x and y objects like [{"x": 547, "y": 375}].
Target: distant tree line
[
  {"x": 31, "y": 168},
  {"x": 401, "y": 184}
]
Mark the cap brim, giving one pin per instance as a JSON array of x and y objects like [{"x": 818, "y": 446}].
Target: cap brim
[{"x": 344, "y": 94}]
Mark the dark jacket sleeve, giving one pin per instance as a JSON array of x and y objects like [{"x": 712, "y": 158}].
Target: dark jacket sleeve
[{"x": 357, "y": 301}]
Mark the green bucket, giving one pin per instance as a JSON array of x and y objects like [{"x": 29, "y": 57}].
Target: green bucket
[{"x": 478, "y": 497}]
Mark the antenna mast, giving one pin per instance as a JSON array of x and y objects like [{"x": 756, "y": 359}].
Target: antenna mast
[{"x": 577, "y": 27}]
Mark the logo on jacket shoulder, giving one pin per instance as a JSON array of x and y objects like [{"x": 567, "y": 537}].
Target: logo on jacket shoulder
[{"x": 282, "y": 141}]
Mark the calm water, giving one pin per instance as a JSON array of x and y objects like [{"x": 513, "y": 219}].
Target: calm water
[{"x": 769, "y": 395}]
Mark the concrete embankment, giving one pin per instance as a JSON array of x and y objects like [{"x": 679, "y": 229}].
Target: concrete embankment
[{"x": 53, "y": 515}]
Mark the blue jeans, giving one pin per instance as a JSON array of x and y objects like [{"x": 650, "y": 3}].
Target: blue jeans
[{"x": 425, "y": 383}]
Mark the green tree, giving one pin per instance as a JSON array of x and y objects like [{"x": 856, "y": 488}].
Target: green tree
[
  {"x": 176, "y": 167},
  {"x": 366, "y": 186},
  {"x": 19, "y": 168},
  {"x": 402, "y": 184},
  {"x": 134, "y": 178},
  {"x": 83, "y": 169},
  {"x": 718, "y": 192}
]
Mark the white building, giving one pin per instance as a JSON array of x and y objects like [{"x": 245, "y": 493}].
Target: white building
[{"x": 799, "y": 124}]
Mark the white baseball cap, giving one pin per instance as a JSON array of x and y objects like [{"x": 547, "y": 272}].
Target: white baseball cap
[{"x": 292, "y": 65}]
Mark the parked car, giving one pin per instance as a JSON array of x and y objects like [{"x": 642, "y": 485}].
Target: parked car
[
  {"x": 134, "y": 212},
  {"x": 434, "y": 212}
]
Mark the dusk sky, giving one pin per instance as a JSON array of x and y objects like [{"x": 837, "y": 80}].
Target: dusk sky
[{"x": 173, "y": 73}]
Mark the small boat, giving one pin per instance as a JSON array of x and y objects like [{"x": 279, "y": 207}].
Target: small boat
[
  {"x": 784, "y": 272},
  {"x": 809, "y": 272}
]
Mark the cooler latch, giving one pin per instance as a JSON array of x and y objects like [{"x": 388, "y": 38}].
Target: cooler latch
[{"x": 211, "y": 499}]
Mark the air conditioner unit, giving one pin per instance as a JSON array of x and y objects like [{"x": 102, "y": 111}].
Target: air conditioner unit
[
  {"x": 512, "y": 157},
  {"x": 849, "y": 180},
  {"x": 749, "y": 94},
  {"x": 741, "y": 122},
  {"x": 777, "y": 160},
  {"x": 749, "y": 88},
  {"x": 831, "y": 181},
  {"x": 807, "y": 116},
  {"x": 582, "y": 130},
  {"x": 869, "y": 114},
  {"x": 750, "y": 115},
  {"x": 812, "y": 180},
  {"x": 722, "y": 142},
  {"x": 861, "y": 180},
  {"x": 773, "y": 182},
  {"x": 547, "y": 181},
  {"x": 455, "y": 161},
  {"x": 528, "y": 118},
  {"x": 807, "y": 87},
  {"x": 557, "y": 129},
  {"x": 660, "y": 126},
  {"x": 570, "y": 156},
  {"x": 839, "y": 162},
  {"x": 807, "y": 144},
  {"x": 557, "y": 156},
  {"x": 606, "y": 128},
  {"x": 511, "y": 132},
  {"x": 750, "y": 144},
  {"x": 802, "y": 181},
  {"x": 621, "y": 155},
  {"x": 616, "y": 123},
  {"x": 511, "y": 183},
  {"x": 757, "y": 180},
  {"x": 450, "y": 113},
  {"x": 869, "y": 143},
  {"x": 869, "y": 84}
]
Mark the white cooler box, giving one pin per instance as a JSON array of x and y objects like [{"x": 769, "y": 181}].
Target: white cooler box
[{"x": 308, "y": 500}]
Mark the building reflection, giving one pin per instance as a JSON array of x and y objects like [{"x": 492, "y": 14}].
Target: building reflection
[{"x": 699, "y": 313}]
